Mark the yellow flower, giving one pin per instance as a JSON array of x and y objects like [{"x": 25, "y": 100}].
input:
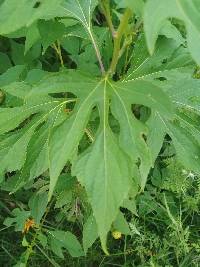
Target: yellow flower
[
  {"x": 116, "y": 234},
  {"x": 30, "y": 223}
]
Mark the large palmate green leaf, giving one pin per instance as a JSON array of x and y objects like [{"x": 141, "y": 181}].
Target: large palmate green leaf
[
  {"x": 157, "y": 11},
  {"x": 174, "y": 76},
  {"x": 106, "y": 168}
]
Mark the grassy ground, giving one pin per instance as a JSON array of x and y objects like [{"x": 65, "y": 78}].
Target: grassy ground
[{"x": 165, "y": 232}]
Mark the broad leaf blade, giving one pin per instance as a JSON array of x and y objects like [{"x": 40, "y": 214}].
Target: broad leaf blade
[
  {"x": 66, "y": 137},
  {"x": 105, "y": 172},
  {"x": 156, "y": 12},
  {"x": 15, "y": 15}
]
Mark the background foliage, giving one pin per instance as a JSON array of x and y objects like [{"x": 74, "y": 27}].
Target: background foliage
[{"x": 99, "y": 133}]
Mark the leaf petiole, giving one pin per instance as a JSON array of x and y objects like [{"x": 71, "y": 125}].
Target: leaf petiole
[{"x": 117, "y": 40}]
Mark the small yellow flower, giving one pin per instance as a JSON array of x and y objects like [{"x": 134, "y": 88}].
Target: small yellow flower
[
  {"x": 30, "y": 223},
  {"x": 116, "y": 234}
]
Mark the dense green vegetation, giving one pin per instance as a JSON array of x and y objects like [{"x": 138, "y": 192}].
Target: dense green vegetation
[{"x": 99, "y": 133}]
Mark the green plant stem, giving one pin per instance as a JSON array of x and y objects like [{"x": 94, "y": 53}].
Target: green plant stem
[
  {"x": 49, "y": 259},
  {"x": 117, "y": 40},
  {"x": 58, "y": 51},
  {"x": 105, "y": 6},
  {"x": 33, "y": 241}
]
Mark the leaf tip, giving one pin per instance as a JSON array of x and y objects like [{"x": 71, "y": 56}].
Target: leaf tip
[{"x": 104, "y": 246}]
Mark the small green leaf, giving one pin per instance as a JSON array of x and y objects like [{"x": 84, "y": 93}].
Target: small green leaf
[
  {"x": 120, "y": 224},
  {"x": 18, "y": 220},
  {"x": 25, "y": 242},
  {"x": 64, "y": 198},
  {"x": 37, "y": 204},
  {"x": 90, "y": 233},
  {"x": 130, "y": 204},
  {"x": 5, "y": 62},
  {"x": 50, "y": 31},
  {"x": 32, "y": 37},
  {"x": 42, "y": 239},
  {"x": 61, "y": 239}
]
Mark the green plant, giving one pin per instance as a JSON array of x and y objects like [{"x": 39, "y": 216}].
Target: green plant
[{"x": 83, "y": 121}]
